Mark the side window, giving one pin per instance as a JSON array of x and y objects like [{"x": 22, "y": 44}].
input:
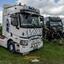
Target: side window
[
  {"x": 14, "y": 20},
  {"x": 7, "y": 26}
]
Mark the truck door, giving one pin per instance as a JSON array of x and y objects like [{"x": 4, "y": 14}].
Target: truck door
[{"x": 15, "y": 26}]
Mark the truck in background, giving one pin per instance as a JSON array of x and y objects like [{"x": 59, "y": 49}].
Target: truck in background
[
  {"x": 53, "y": 28},
  {"x": 63, "y": 25},
  {"x": 22, "y": 28}
]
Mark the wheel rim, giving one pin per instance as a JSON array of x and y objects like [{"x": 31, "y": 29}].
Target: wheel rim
[{"x": 11, "y": 47}]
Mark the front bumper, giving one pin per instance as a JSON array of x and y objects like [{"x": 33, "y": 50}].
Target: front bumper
[{"x": 32, "y": 45}]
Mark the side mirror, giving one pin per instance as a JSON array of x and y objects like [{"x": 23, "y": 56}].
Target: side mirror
[
  {"x": 41, "y": 18},
  {"x": 42, "y": 21}
]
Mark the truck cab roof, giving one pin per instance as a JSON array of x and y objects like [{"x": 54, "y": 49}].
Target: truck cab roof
[{"x": 20, "y": 8}]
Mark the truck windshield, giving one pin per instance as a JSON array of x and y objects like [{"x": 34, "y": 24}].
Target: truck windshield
[
  {"x": 55, "y": 23},
  {"x": 30, "y": 21}
]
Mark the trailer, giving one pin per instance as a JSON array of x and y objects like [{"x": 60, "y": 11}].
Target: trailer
[{"x": 21, "y": 28}]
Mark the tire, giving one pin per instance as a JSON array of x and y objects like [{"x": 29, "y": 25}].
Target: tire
[
  {"x": 11, "y": 46},
  {"x": 63, "y": 35}
]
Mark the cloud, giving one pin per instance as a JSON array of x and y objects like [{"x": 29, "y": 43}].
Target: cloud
[
  {"x": 50, "y": 7},
  {"x": 56, "y": 10},
  {"x": 22, "y": 1},
  {"x": 0, "y": 16}
]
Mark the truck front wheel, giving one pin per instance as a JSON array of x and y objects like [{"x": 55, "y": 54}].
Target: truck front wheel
[{"x": 11, "y": 46}]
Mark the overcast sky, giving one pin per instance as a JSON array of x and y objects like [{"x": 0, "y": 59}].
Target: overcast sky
[
  {"x": 47, "y": 7},
  {"x": 55, "y": 7},
  {"x": 2, "y": 2}
]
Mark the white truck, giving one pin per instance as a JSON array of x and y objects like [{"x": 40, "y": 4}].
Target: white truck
[{"x": 22, "y": 28}]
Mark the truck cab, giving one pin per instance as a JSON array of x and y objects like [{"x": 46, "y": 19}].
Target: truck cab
[
  {"x": 54, "y": 25},
  {"x": 22, "y": 28}
]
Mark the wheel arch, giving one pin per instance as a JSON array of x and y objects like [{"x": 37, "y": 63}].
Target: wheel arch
[
  {"x": 9, "y": 40},
  {"x": 8, "y": 45}
]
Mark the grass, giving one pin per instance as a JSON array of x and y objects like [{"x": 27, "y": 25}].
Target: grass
[{"x": 51, "y": 53}]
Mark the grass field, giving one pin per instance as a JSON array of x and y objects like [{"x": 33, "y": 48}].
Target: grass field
[{"x": 49, "y": 54}]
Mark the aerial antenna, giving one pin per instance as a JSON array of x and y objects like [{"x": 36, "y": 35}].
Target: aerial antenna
[{"x": 18, "y": 2}]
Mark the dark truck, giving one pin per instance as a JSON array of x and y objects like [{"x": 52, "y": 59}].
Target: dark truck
[{"x": 53, "y": 28}]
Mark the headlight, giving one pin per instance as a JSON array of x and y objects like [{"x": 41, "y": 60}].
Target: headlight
[{"x": 24, "y": 42}]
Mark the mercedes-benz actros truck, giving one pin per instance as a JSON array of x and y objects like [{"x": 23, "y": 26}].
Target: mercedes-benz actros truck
[{"x": 21, "y": 28}]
